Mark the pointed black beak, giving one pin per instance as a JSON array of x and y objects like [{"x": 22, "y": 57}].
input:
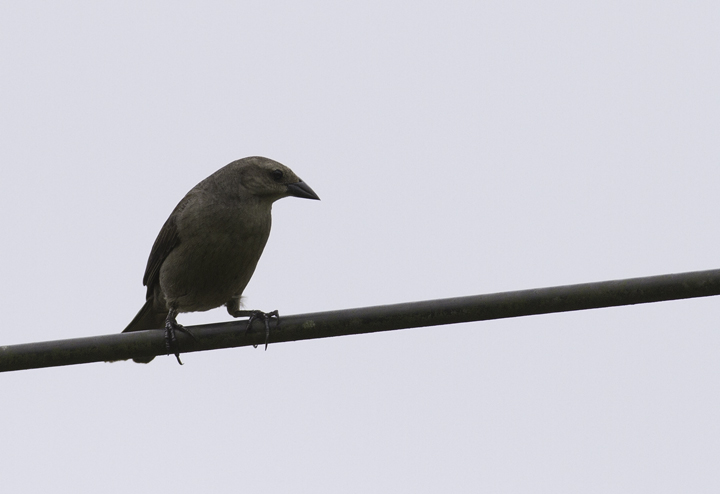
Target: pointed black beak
[{"x": 301, "y": 189}]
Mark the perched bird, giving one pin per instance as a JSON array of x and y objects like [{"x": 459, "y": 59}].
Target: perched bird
[{"x": 208, "y": 248}]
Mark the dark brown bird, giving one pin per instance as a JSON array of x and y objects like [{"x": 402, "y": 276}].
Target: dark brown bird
[{"x": 208, "y": 248}]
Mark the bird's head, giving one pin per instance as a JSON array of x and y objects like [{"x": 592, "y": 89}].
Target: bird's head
[{"x": 269, "y": 179}]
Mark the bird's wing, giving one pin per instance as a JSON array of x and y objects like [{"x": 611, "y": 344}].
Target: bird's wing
[{"x": 165, "y": 242}]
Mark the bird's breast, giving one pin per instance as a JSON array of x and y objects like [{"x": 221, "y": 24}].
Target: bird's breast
[{"x": 215, "y": 257}]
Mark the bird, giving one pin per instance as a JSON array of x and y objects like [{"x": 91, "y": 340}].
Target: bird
[{"x": 207, "y": 250}]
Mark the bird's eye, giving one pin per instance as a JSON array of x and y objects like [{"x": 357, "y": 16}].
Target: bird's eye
[{"x": 277, "y": 175}]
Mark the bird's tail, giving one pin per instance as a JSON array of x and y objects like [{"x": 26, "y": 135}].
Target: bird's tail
[{"x": 146, "y": 318}]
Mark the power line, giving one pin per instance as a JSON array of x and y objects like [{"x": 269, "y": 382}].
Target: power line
[{"x": 123, "y": 346}]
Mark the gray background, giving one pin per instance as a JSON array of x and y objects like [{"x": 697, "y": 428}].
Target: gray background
[{"x": 459, "y": 148}]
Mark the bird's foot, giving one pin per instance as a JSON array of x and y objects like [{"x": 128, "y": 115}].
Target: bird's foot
[
  {"x": 171, "y": 342},
  {"x": 264, "y": 316}
]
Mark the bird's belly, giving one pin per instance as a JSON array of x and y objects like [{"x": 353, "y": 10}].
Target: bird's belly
[{"x": 201, "y": 274}]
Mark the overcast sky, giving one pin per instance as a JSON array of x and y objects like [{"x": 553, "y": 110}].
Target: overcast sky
[{"x": 459, "y": 148}]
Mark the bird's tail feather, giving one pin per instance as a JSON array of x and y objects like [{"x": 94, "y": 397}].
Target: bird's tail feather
[{"x": 146, "y": 318}]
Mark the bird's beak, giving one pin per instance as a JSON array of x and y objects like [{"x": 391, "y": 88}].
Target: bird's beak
[{"x": 301, "y": 189}]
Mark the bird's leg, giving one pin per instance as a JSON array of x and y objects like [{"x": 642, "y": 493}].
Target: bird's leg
[
  {"x": 258, "y": 314},
  {"x": 171, "y": 343}
]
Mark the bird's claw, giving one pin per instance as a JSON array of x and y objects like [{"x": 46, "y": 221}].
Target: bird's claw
[
  {"x": 265, "y": 317},
  {"x": 171, "y": 342}
]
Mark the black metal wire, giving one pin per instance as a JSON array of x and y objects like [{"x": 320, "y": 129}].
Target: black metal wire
[{"x": 367, "y": 320}]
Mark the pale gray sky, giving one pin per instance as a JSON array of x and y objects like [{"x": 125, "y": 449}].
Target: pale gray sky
[{"x": 459, "y": 148}]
